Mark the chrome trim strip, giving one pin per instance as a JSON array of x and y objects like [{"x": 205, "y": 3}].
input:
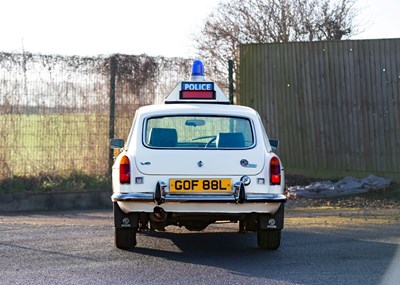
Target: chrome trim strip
[
  {"x": 138, "y": 197},
  {"x": 266, "y": 198},
  {"x": 149, "y": 197}
]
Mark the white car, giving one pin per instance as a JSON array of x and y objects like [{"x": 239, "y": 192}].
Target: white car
[{"x": 196, "y": 160}]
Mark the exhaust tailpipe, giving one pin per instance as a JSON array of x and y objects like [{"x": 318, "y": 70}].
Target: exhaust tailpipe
[
  {"x": 159, "y": 214},
  {"x": 158, "y": 219}
]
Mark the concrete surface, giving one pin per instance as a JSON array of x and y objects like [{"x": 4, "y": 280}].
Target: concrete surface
[{"x": 25, "y": 202}]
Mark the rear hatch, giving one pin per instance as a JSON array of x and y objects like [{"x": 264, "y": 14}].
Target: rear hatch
[
  {"x": 184, "y": 162},
  {"x": 198, "y": 140}
]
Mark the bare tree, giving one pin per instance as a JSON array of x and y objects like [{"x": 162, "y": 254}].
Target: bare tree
[
  {"x": 336, "y": 21},
  {"x": 236, "y": 22}
]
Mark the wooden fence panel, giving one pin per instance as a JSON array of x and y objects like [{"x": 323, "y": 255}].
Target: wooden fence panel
[{"x": 334, "y": 105}]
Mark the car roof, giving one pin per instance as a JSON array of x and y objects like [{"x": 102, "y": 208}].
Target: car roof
[{"x": 199, "y": 109}]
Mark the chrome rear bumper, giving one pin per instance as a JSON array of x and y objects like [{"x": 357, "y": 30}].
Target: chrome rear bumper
[{"x": 151, "y": 197}]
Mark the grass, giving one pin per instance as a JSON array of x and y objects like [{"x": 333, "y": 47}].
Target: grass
[
  {"x": 46, "y": 183},
  {"x": 53, "y": 152},
  {"x": 53, "y": 143}
]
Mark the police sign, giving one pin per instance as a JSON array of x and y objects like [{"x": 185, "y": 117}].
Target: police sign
[
  {"x": 197, "y": 90},
  {"x": 198, "y": 86}
]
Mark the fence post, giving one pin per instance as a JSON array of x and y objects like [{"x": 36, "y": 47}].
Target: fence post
[
  {"x": 230, "y": 77},
  {"x": 113, "y": 73}
]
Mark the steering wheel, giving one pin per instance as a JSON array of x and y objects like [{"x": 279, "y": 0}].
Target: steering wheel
[{"x": 211, "y": 141}]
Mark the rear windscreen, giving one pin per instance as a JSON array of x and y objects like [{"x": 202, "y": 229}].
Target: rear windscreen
[{"x": 214, "y": 132}]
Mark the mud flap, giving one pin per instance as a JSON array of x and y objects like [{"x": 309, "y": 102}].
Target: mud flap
[
  {"x": 273, "y": 222},
  {"x": 124, "y": 221}
]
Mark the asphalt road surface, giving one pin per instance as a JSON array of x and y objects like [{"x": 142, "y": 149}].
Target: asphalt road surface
[{"x": 318, "y": 247}]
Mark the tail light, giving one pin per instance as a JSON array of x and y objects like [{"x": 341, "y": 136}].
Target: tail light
[
  {"x": 124, "y": 170},
  {"x": 274, "y": 171}
]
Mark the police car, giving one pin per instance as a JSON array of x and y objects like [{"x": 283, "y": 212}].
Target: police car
[{"x": 196, "y": 160}]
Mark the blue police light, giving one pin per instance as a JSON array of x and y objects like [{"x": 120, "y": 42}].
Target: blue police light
[
  {"x": 198, "y": 68},
  {"x": 197, "y": 88}
]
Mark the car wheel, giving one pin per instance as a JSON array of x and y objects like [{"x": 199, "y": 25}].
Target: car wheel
[
  {"x": 125, "y": 238},
  {"x": 268, "y": 239}
]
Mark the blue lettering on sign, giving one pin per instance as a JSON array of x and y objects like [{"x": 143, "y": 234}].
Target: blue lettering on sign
[{"x": 197, "y": 86}]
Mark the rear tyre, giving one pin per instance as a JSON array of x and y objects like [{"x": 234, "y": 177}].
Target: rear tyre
[
  {"x": 268, "y": 239},
  {"x": 125, "y": 238}
]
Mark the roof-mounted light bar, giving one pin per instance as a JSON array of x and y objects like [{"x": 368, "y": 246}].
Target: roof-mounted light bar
[{"x": 197, "y": 89}]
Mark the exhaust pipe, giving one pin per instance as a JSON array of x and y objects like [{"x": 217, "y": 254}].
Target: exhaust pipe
[
  {"x": 158, "y": 219},
  {"x": 159, "y": 214}
]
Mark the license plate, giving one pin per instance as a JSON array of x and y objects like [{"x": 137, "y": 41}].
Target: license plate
[{"x": 200, "y": 185}]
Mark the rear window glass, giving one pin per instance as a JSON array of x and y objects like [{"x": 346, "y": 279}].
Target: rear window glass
[{"x": 214, "y": 132}]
